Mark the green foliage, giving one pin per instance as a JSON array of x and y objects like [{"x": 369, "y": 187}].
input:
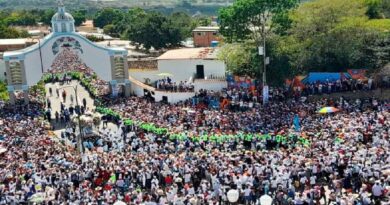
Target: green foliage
[
  {"x": 373, "y": 8},
  {"x": 39, "y": 90},
  {"x": 109, "y": 29},
  {"x": 385, "y": 7},
  {"x": 79, "y": 17},
  {"x": 319, "y": 35},
  {"x": 251, "y": 18},
  {"x": 9, "y": 32},
  {"x": 108, "y": 112},
  {"x": 343, "y": 23},
  {"x": 382, "y": 25},
  {"x": 378, "y": 9},
  {"x": 3, "y": 92},
  {"x": 182, "y": 21},
  {"x": 154, "y": 29},
  {"x": 107, "y": 16},
  {"x": 202, "y": 21},
  {"x": 242, "y": 59},
  {"x": 237, "y": 57},
  {"x": 21, "y": 18},
  {"x": 94, "y": 38},
  {"x": 377, "y": 53},
  {"x": 46, "y": 16}
]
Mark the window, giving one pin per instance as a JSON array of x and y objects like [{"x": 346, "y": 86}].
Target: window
[
  {"x": 199, "y": 33},
  {"x": 55, "y": 28},
  {"x": 71, "y": 27},
  {"x": 63, "y": 27},
  {"x": 214, "y": 33}
]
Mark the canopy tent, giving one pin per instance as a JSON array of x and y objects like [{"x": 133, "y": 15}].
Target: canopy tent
[{"x": 314, "y": 77}]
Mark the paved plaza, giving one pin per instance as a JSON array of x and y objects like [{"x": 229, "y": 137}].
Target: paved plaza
[{"x": 70, "y": 91}]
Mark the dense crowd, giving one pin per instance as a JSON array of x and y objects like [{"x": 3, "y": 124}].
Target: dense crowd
[
  {"x": 67, "y": 60},
  {"x": 333, "y": 86},
  {"x": 346, "y": 160}
]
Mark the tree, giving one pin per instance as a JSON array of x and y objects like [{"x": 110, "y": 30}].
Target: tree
[
  {"x": 107, "y": 16},
  {"x": 378, "y": 53},
  {"x": 128, "y": 22},
  {"x": 183, "y": 22},
  {"x": 21, "y": 18},
  {"x": 46, "y": 16},
  {"x": 203, "y": 21},
  {"x": 109, "y": 29},
  {"x": 237, "y": 57},
  {"x": 148, "y": 31},
  {"x": 385, "y": 7},
  {"x": 94, "y": 38},
  {"x": 3, "y": 91},
  {"x": 153, "y": 29},
  {"x": 8, "y": 32},
  {"x": 378, "y": 9},
  {"x": 79, "y": 17},
  {"x": 251, "y": 18},
  {"x": 330, "y": 35}
]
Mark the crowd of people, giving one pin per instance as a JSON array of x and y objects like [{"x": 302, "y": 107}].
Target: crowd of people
[
  {"x": 67, "y": 60},
  {"x": 346, "y": 160},
  {"x": 168, "y": 85},
  {"x": 333, "y": 86}
]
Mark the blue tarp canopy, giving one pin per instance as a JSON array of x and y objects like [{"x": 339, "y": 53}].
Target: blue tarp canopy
[{"x": 323, "y": 77}]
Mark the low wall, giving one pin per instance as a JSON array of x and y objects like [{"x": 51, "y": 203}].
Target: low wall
[
  {"x": 212, "y": 84},
  {"x": 144, "y": 64},
  {"x": 137, "y": 88},
  {"x": 173, "y": 97}
]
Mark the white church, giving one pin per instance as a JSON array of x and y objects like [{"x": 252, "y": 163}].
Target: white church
[{"x": 25, "y": 67}]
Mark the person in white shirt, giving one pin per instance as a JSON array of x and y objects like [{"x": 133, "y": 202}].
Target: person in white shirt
[
  {"x": 313, "y": 180},
  {"x": 247, "y": 194},
  {"x": 377, "y": 190}
]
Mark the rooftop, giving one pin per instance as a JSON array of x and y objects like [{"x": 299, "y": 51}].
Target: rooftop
[
  {"x": 13, "y": 41},
  {"x": 206, "y": 28},
  {"x": 189, "y": 53}
]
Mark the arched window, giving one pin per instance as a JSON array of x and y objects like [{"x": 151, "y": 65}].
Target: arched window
[
  {"x": 55, "y": 27},
  {"x": 71, "y": 27},
  {"x": 63, "y": 27}
]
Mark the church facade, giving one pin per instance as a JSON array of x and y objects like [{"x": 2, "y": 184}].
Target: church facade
[{"x": 25, "y": 67}]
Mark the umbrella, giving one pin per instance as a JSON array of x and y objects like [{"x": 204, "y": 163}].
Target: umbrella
[
  {"x": 265, "y": 200},
  {"x": 37, "y": 198},
  {"x": 232, "y": 195},
  {"x": 328, "y": 110},
  {"x": 165, "y": 75},
  {"x": 2, "y": 150}
]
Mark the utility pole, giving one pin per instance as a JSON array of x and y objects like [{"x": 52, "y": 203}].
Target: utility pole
[
  {"x": 264, "y": 63},
  {"x": 262, "y": 52}
]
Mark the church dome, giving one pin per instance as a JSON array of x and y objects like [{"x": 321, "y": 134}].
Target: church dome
[
  {"x": 62, "y": 22},
  {"x": 62, "y": 17}
]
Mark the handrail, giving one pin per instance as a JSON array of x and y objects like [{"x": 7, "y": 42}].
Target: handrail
[{"x": 142, "y": 85}]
